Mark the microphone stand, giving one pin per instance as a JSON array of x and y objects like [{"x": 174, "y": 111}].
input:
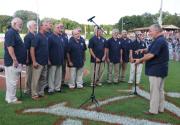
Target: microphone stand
[
  {"x": 92, "y": 97},
  {"x": 20, "y": 86},
  {"x": 91, "y": 20},
  {"x": 135, "y": 90}
]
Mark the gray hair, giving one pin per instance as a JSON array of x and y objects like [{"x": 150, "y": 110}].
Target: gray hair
[
  {"x": 96, "y": 28},
  {"x": 123, "y": 31},
  {"x": 138, "y": 32},
  {"x": 156, "y": 27},
  {"x": 47, "y": 20},
  {"x": 15, "y": 20},
  {"x": 29, "y": 23},
  {"x": 115, "y": 31}
]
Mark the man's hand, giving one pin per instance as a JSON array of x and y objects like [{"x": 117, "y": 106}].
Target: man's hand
[
  {"x": 137, "y": 61},
  {"x": 131, "y": 60},
  {"x": 70, "y": 63},
  {"x": 137, "y": 52},
  {"x": 104, "y": 57},
  {"x": 15, "y": 63},
  {"x": 97, "y": 60},
  {"x": 35, "y": 65},
  {"x": 108, "y": 60}
]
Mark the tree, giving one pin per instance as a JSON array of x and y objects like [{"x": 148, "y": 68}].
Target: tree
[
  {"x": 25, "y": 16},
  {"x": 5, "y": 21},
  {"x": 147, "y": 19},
  {"x": 69, "y": 24}
]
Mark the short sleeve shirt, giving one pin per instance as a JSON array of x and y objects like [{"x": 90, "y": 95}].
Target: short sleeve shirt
[
  {"x": 40, "y": 43},
  {"x": 76, "y": 51},
  {"x": 97, "y": 45},
  {"x": 158, "y": 66},
  {"x": 114, "y": 47},
  {"x": 13, "y": 39}
]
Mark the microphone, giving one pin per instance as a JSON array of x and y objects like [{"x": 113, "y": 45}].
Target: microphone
[{"x": 90, "y": 19}]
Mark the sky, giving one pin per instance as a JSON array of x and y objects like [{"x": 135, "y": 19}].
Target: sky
[{"x": 106, "y": 11}]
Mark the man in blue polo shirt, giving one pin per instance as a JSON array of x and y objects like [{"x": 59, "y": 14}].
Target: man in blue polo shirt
[
  {"x": 114, "y": 56},
  {"x": 49, "y": 26},
  {"x": 64, "y": 38},
  {"x": 31, "y": 25},
  {"x": 14, "y": 57},
  {"x": 126, "y": 45},
  {"x": 156, "y": 68},
  {"x": 76, "y": 58},
  {"x": 56, "y": 59},
  {"x": 39, "y": 55},
  {"x": 98, "y": 56},
  {"x": 135, "y": 53}
]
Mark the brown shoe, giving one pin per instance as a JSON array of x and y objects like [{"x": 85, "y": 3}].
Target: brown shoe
[
  {"x": 149, "y": 113},
  {"x": 160, "y": 112},
  {"x": 36, "y": 97},
  {"x": 16, "y": 102}
]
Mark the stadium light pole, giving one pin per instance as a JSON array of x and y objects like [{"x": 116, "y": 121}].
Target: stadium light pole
[
  {"x": 160, "y": 14},
  {"x": 37, "y": 15},
  {"x": 122, "y": 24}
]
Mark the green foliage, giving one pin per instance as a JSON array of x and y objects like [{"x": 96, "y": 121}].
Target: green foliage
[
  {"x": 107, "y": 28},
  {"x": 1, "y": 50},
  {"x": 5, "y": 21},
  {"x": 147, "y": 19},
  {"x": 69, "y": 24},
  {"x": 25, "y": 16}
]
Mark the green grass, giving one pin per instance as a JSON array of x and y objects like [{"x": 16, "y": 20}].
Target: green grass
[
  {"x": 1, "y": 50},
  {"x": 132, "y": 107}
]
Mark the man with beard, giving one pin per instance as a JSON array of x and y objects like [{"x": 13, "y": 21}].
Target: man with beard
[{"x": 14, "y": 57}]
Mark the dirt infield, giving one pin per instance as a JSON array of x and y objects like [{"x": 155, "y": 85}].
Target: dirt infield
[{"x": 2, "y": 76}]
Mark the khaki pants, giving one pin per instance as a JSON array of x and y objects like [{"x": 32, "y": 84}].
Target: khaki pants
[
  {"x": 123, "y": 71},
  {"x": 98, "y": 72},
  {"x": 54, "y": 78},
  {"x": 38, "y": 80},
  {"x": 138, "y": 73},
  {"x": 76, "y": 76},
  {"x": 64, "y": 70},
  {"x": 12, "y": 77},
  {"x": 156, "y": 94},
  {"x": 28, "y": 79},
  {"x": 116, "y": 72}
]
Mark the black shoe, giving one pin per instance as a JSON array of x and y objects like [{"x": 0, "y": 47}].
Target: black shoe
[
  {"x": 50, "y": 93},
  {"x": 59, "y": 91}
]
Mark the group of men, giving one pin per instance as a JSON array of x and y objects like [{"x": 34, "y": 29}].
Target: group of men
[{"x": 47, "y": 53}]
